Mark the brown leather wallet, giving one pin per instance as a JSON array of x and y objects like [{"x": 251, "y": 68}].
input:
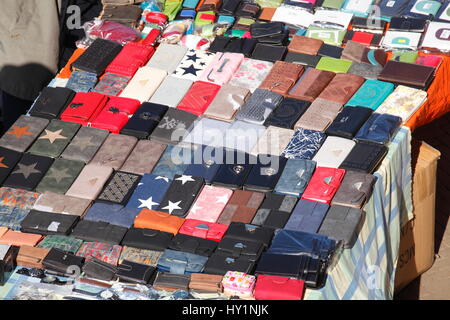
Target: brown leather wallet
[
  {"x": 206, "y": 282},
  {"x": 241, "y": 207},
  {"x": 409, "y": 74},
  {"x": 301, "y": 44},
  {"x": 354, "y": 51},
  {"x": 342, "y": 88},
  {"x": 282, "y": 77},
  {"x": 31, "y": 257},
  {"x": 210, "y": 5},
  {"x": 311, "y": 84}
]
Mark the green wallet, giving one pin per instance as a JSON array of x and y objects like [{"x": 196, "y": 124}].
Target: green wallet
[{"x": 334, "y": 65}]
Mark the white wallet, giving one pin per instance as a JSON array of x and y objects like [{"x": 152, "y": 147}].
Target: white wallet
[
  {"x": 333, "y": 152},
  {"x": 144, "y": 84}
]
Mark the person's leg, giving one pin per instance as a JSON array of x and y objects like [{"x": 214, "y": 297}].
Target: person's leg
[{"x": 11, "y": 108}]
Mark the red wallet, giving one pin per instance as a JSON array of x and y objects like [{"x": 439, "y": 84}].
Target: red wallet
[
  {"x": 431, "y": 61},
  {"x": 199, "y": 97},
  {"x": 278, "y": 288},
  {"x": 130, "y": 59},
  {"x": 323, "y": 184},
  {"x": 115, "y": 114},
  {"x": 203, "y": 229},
  {"x": 84, "y": 107}
]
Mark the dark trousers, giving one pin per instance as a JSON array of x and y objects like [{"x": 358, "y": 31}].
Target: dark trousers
[{"x": 11, "y": 108}]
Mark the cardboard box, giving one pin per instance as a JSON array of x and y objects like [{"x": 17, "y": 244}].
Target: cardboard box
[{"x": 416, "y": 254}]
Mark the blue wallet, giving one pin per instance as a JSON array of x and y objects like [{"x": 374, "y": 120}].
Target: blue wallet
[
  {"x": 295, "y": 177},
  {"x": 379, "y": 128},
  {"x": 112, "y": 213},
  {"x": 149, "y": 192},
  {"x": 307, "y": 216}
]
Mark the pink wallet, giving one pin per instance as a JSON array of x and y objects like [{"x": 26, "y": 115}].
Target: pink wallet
[
  {"x": 222, "y": 67},
  {"x": 210, "y": 204}
]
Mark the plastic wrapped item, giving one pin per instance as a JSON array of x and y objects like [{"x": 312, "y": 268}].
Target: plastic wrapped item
[
  {"x": 192, "y": 41},
  {"x": 108, "y": 30},
  {"x": 212, "y": 30},
  {"x": 175, "y": 31}
]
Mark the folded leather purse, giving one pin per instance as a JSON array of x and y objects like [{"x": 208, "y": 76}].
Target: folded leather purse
[
  {"x": 295, "y": 177},
  {"x": 265, "y": 173},
  {"x": 62, "y": 261},
  {"x": 355, "y": 189},
  {"x": 90, "y": 182},
  {"x": 174, "y": 125},
  {"x": 9, "y": 159},
  {"x": 60, "y": 176},
  {"x": 144, "y": 83},
  {"x": 307, "y": 216},
  {"x": 278, "y": 288},
  {"x": 348, "y": 122},
  {"x": 227, "y": 102},
  {"x": 84, "y": 107},
  {"x": 302, "y": 44},
  {"x": 287, "y": 113},
  {"x": 130, "y": 59},
  {"x": 111, "y": 84},
  {"x": 97, "y": 56},
  {"x": 235, "y": 248},
  {"x": 149, "y": 192},
  {"x": 147, "y": 239},
  {"x": 181, "y": 262},
  {"x": 181, "y": 195},
  {"x": 220, "y": 264},
  {"x": 81, "y": 81},
  {"x": 115, "y": 114},
  {"x": 408, "y": 74},
  {"x": 112, "y": 213},
  {"x": 282, "y": 77},
  {"x": 251, "y": 74},
  {"x": 206, "y": 282},
  {"x": 304, "y": 144},
  {"x": 159, "y": 221},
  {"x": 365, "y": 157},
  {"x": 248, "y": 232},
  {"x": 259, "y": 106},
  {"x": 64, "y": 243},
  {"x": 371, "y": 94},
  {"x": 23, "y": 133},
  {"x": 269, "y": 52},
  {"x": 343, "y": 224},
  {"x": 123, "y": 14},
  {"x": 31, "y": 257},
  {"x": 47, "y": 223},
  {"x": 51, "y": 102},
  {"x": 98, "y": 231},
  {"x": 320, "y": 114},
  {"x": 129, "y": 271},
  {"x": 171, "y": 91},
  {"x": 98, "y": 269},
  {"x": 15, "y": 238},
  {"x": 202, "y": 209},
  {"x": 302, "y": 58},
  {"x": 119, "y": 188},
  {"x": 333, "y": 152},
  {"x": 379, "y": 128},
  {"x": 311, "y": 84},
  {"x": 241, "y": 207},
  {"x": 323, "y": 184},
  {"x": 114, "y": 151},
  {"x": 28, "y": 172},
  {"x": 198, "y": 97},
  {"x": 203, "y": 229},
  {"x": 85, "y": 144},
  {"x": 103, "y": 251},
  {"x": 167, "y": 57},
  {"x": 194, "y": 245},
  {"x": 142, "y": 256},
  {"x": 171, "y": 282}
]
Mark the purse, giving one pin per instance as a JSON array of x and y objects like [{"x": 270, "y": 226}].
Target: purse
[
  {"x": 234, "y": 248},
  {"x": 51, "y": 102},
  {"x": 203, "y": 229},
  {"x": 355, "y": 189},
  {"x": 167, "y": 57},
  {"x": 23, "y": 133},
  {"x": 287, "y": 113},
  {"x": 194, "y": 245},
  {"x": 305, "y": 45},
  {"x": 84, "y": 107},
  {"x": 114, "y": 151},
  {"x": 333, "y": 152},
  {"x": 220, "y": 264},
  {"x": 242, "y": 231},
  {"x": 143, "y": 84},
  {"x": 119, "y": 188},
  {"x": 130, "y": 59},
  {"x": 371, "y": 94},
  {"x": 319, "y": 116},
  {"x": 171, "y": 91},
  {"x": 241, "y": 207},
  {"x": 304, "y": 144},
  {"x": 202, "y": 209},
  {"x": 98, "y": 269},
  {"x": 157, "y": 220},
  {"x": 129, "y": 271},
  {"x": 307, "y": 216},
  {"x": 149, "y": 192},
  {"x": 264, "y": 176},
  {"x": 63, "y": 243},
  {"x": 198, "y": 97},
  {"x": 227, "y": 102},
  {"x": 147, "y": 239},
  {"x": 9, "y": 159},
  {"x": 98, "y": 232},
  {"x": 90, "y": 182},
  {"x": 63, "y": 262},
  {"x": 348, "y": 122},
  {"x": 112, "y": 213},
  {"x": 111, "y": 84},
  {"x": 238, "y": 284},
  {"x": 31, "y": 257},
  {"x": 15, "y": 238},
  {"x": 278, "y": 288},
  {"x": 408, "y": 74},
  {"x": 311, "y": 84},
  {"x": 250, "y": 74},
  {"x": 365, "y": 157},
  {"x": 259, "y": 106},
  {"x": 60, "y": 176},
  {"x": 143, "y": 158},
  {"x": 323, "y": 184},
  {"x": 273, "y": 141},
  {"x": 47, "y": 223},
  {"x": 173, "y": 126},
  {"x": 295, "y": 177},
  {"x": 174, "y": 161},
  {"x": 269, "y": 52},
  {"x": 379, "y": 128}
]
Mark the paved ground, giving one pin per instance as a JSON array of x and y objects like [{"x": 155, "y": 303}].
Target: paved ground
[{"x": 435, "y": 283}]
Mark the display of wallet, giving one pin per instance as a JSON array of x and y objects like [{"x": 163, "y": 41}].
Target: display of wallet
[
  {"x": 287, "y": 113},
  {"x": 220, "y": 264},
  {"x": 171, "y": 91},
  {"x": 304, "y": 144},
  {"x": 90, "y": 182},
  {"x": 144, "y": 120},
  {"x": 48, "y": 223},
  {"x": 62, "y": 261},
  {"x": 114, "y": 151},
  {"x": 343, "y": 224},
  {"x": 28, "y": 172},
  {"x": 198, "y": 97},
  {"x": 31, "y": 257},
  {"x": 85, "y": 144},
  {"x": 147, "y": 239},
  {"x": 60, "y": 176},
  {"x": 167, "y": 57},
  {"x": 323, "y": 184},
  {"x": 112, "y": 213},
  {"x": 98, "y": 269},
  {"x": 348, "y": 122},
  {"x": 193, "y": 244},
  {"x": 307, "y": 216},
  {"x": 265, "y": 173},
  {"x": 251, "y": 74},
  {"x": 209, "y": 204},
  {"x": 98, "y": 231},
  {"x": 130, "y": 59},
  {"x": 119, "y": 188},
  {"x": 319, "y": 116},
  {"x": 365, "y": 157},
  {"x": 144, "y": 83},
  {"x": 228, "y": 100},
  {"x": 333, "y": 152},
  {"x": 23, "y": 133},
  {"x": 174, "y": 126},
  {"x": 259, "y": 106},
  {"x": 171, "y": 282},
  {"x": 181, "y": 195},
  {"x": 379, "y": 128},
  {"x": 408, "y": 74},
  {"x": 51, "y": 102},
  {"x": 295, "y": 177},
  {"x": 97, "y": 56},
  {"x": 241, "y": 207},
  {"x": 134, "y": 272}
]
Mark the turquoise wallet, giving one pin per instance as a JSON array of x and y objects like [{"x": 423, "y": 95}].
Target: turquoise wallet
[{"x": 371, "y": 94}]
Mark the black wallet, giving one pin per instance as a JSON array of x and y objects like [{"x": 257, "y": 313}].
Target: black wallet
[
  {"x": 9, "y": 159},
  {"x": 280, "y": 202},
  {"x": 219, "y": 263},
  {"x": 51, "y": 102},
  {"x": 181, "y": 195},
  {"x": 119, "y": 188},
  {"x": 233, "y": 44},
  {"x": 98, "y": 56},
  {"x": 348, "y": 122},
  {"x": 408, "y": 24},
  {"x": 211, "y": 159},
  {"x": 269, "y": 52},
  {"x": 364, "y": 157},
  {"x": 97, "y": 269},
  {"x": 233, "y": 176},
  {"x": 28, "y": 172},
  {"x": 248, "y": 232},
  {"x": 368, "y": 24},
  {"x": 328, "y": 50},
  {"x": 275, "y": 219},
  {"x": 63, "y": 262},
  {"x": 98, "y": 231},
  {"x": 48, "y": 223},
  {"x": 144, "y": 120},
  {"x": 302, "y": 58},
  {"x": 171, "y": 281},
  {"x": 191, "y": 244},
  {"x": 263, "y": 30},
  {"x": 248, "y": 9},
  {"x": 147, "y": 239},
  {"x": 265, "y": 173},
  {"x": 229, "y": 7},
  {"x": 134, "y": 272},
  {"x": 287, "y": 113},
  {"x": 240, "y": 248},
  {"x": 8, "y": 263}
]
